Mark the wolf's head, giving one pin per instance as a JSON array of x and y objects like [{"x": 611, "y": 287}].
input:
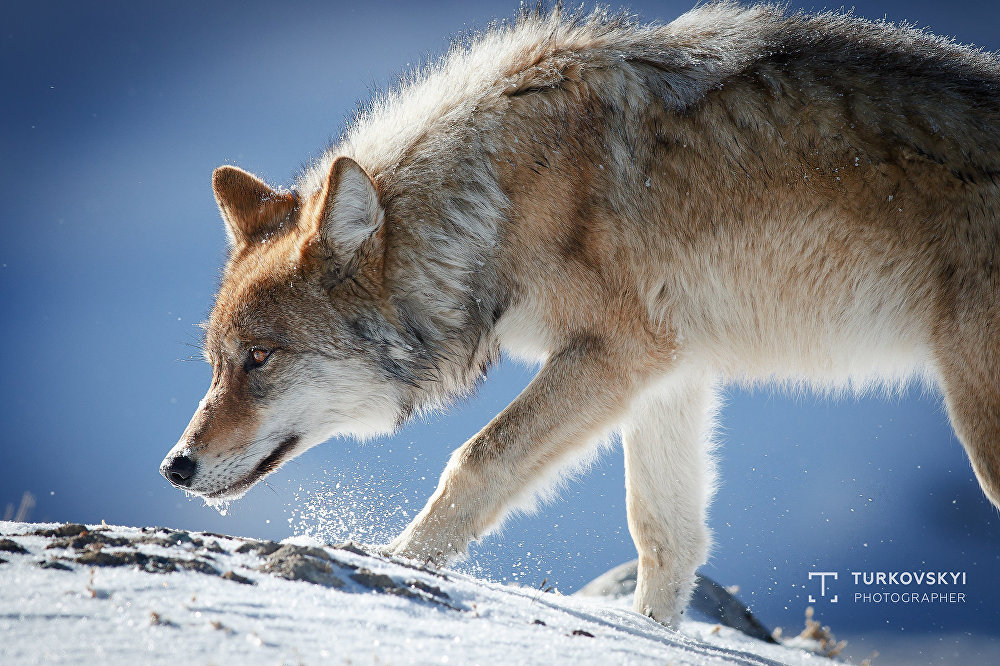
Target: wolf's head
[{"x": 303, "y": 340}]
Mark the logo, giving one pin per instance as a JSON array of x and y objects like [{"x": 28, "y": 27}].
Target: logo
[
  {"x": 894, "y": 587},
  {"x": 822, "y": 584}
]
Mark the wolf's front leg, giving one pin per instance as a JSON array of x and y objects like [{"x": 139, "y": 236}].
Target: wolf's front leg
[
  {"x": 669, "y": 480},
  {"x": 575, "y": 398}
]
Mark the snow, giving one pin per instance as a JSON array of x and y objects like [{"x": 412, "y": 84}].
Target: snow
[{"x": 377, "y": 611}]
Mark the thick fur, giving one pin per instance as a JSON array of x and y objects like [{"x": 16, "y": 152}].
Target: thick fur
[{"x": 743, "y": 194}]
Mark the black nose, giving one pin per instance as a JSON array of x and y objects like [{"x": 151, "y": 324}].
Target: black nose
[{"x": 180, "y": 470}]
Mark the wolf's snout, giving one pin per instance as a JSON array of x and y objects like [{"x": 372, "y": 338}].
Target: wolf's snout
[{"x": 179, "y": 471}]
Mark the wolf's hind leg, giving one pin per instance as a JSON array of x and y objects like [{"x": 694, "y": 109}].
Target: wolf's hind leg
[
  {"x": 968, "y": 360},
  {"x": 669, "y": 477}
]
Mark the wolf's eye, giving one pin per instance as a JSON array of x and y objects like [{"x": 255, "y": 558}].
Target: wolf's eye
[{"x": 256, "y": 358}]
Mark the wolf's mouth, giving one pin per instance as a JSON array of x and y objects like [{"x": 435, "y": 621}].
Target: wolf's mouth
[{"x": 272, "y": 462}]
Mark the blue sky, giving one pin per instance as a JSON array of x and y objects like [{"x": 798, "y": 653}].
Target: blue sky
[{"x": 112, "y": 118}]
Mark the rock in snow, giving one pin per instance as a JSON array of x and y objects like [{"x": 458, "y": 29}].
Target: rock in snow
[
  {"x": 709, "y": 598},
  {"x": 75, "y": 593}
]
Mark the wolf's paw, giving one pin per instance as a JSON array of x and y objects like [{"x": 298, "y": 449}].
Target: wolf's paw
[
  {"x": 433, "y": 552},
  {"x": 433, "y": 540},
  {"x": 664, "y": 603},
  {"x": 429, "y": 558},
  {"x": 666, "y": 617}
]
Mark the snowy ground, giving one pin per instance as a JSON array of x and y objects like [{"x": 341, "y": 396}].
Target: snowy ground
[{"x": 130, "y": 595}]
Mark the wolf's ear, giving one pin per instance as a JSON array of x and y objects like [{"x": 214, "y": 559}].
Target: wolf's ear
[
  {"x": 351, "y": 211},
  {"x": 249, "y": 207}
]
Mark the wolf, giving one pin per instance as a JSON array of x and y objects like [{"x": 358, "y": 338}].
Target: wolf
[{"x": 647, "y": 211}]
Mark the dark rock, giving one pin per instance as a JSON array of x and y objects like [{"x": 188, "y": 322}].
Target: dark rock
[
  {"x": 581, "y": 632},
  {"x": 404, "y": 592},
  {"x": 303, "y": 563},
  {"x": 170, "y": 540},
  {"x": 379, "y": 582},
  {"x": 236, "y": 578},
  {"x": 200, "y": 566},
  {"x": 214, "y": 547},
  {"x": 429, "y": 589},
  {"x": 262, "y": 548},
  {"x": 539, "y": 622},
  {"x": 99, "y": 558},
  {"x": 181, "y": 537},
  {"x": 11, "y": 546},
  {"x": 351, "y": 547},
  {"x": 152, "y": 541},
  {"x": 87, "y": 539},
  {"x": 411, "y": 589},
  {"x": 310, "y": 551},
  {"x": 158, "y": 564},
  {"x": 150, "y": 563},
  {"x": 67, "y": 530},
  {"x": 216, "y": 535},
  {"x": 54, "y": 564}
]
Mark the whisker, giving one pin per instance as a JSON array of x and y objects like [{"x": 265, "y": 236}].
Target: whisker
[{"x": 191, "y": 359}]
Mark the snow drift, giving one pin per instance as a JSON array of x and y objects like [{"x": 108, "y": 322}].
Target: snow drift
[{"x": 72, "y": 593}]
